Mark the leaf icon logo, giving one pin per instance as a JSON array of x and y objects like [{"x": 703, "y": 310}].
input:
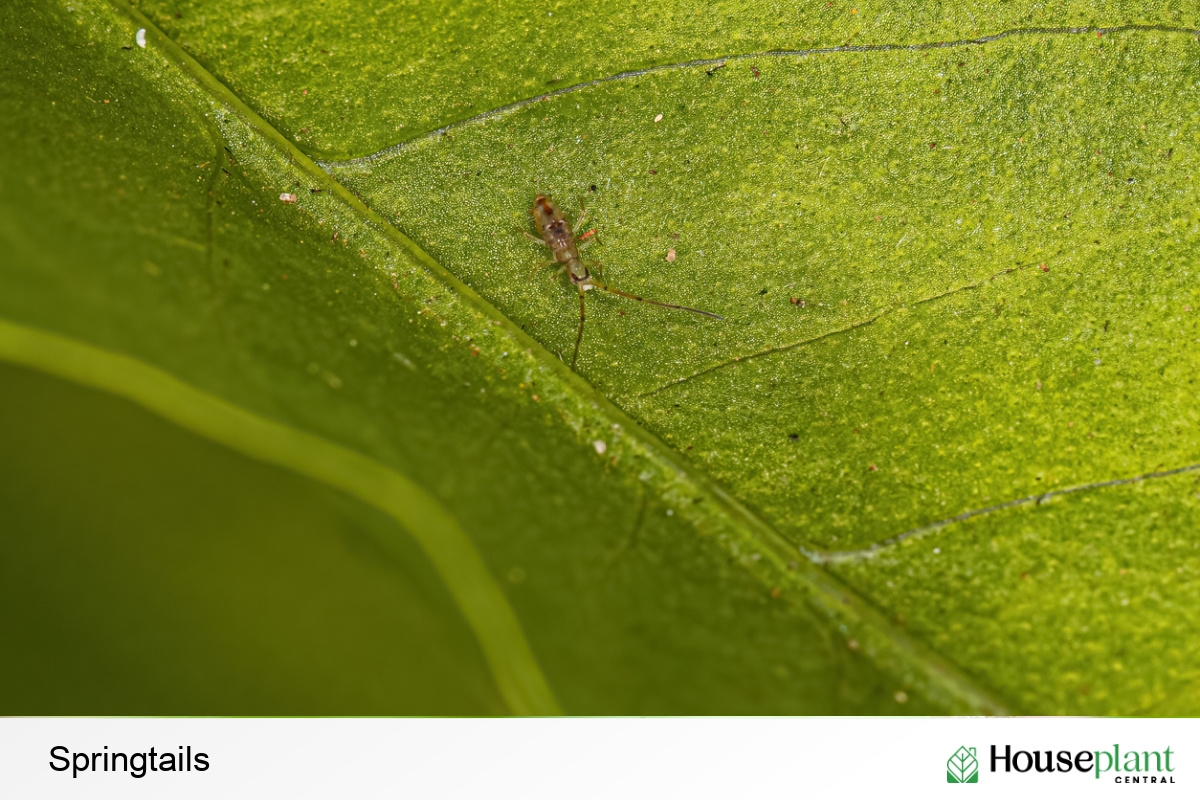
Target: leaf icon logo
[{"x": 963, "y": 767}]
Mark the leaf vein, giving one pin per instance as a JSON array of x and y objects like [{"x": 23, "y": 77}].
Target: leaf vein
[
  {"x": 841, "y": 556},
  {"x": 721, "y": 60}
]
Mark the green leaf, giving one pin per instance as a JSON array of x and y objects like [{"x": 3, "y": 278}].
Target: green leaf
[{"x": 938, "y": 301}]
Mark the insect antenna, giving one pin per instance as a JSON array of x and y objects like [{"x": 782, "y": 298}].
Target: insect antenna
[
  {"x": 611, "y": 290},
  {"x": 578, "y": 336}
]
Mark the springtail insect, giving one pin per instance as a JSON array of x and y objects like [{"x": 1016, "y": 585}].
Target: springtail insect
[{"x": 558, "y": 235}]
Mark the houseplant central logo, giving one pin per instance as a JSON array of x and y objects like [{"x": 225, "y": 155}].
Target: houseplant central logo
[{"x": 963, "y": 767}]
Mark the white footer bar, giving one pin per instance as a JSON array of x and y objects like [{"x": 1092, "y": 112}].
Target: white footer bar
[{"x": 598, "y": 758}]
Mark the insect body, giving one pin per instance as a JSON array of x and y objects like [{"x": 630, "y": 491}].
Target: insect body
[{"x": 558, "y": 235}]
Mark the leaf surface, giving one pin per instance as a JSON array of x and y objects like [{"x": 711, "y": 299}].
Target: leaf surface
[{"x": 937, "y": 300}]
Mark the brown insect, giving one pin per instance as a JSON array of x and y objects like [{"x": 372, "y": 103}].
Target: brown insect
[{"x": 559, "y": 236}]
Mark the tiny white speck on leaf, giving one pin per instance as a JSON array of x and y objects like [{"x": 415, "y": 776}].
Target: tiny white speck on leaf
[
  {"x": 671, "y": 255},
  {"x": 670, "y": 512},
  {"x": 600, "y": 446},
  {"x": 287, "y": 197},
  {"x": 658, "y": 118},
  {"x": 140, "y": 37}
]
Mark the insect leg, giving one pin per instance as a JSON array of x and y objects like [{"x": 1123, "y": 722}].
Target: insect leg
[
  {"x": 579, "y": 336},
  {"x": 531, "y": 237},
  {"x": 611, "y": 290}
]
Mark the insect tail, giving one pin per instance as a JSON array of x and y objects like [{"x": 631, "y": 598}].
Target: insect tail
[{"x": 611, "y": 290}]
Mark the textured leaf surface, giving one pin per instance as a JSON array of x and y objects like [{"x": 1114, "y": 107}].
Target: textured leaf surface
[
  {"x": 148, "y": 255},
  {"x": 343, "y": 79},
  {"x": 950, "y": 283},
  {"x": 952, "y": 277}
]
